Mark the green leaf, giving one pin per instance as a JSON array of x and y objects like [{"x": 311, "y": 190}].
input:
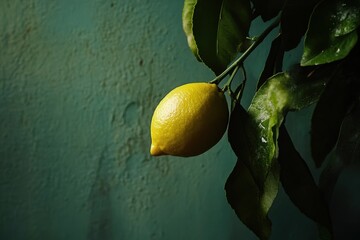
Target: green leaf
[
  {"x": 215, "y": 30},
  {"x": 308, "y": 85},
  {"x": 347, "y": 17},
  {"x": 294, "y": 21},
  {"x": 266, "y": 115},
  {"x": 187, "y": 20},
  {"x": 299, "y": 184},
  {"x": 251, "y": 203},
  {"x": 253, "y": 136},
  {"x": 255, "y": 141},
  {"x": 320, "y": 52},
  {"x": 331, "y": 34}
]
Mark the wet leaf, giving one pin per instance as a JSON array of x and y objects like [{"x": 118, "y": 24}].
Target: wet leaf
[
  {"x": 215, "y": 30},
  {"x": 266, "y": 114},
  {"x": 308, "y": 84},
  {"x": 331, "y": 34},
  {"x": 346, "y": 18},
  {"x": 253, "y": 135},
  {"x": 336, "y": 49},
  {"x": 299, "y": 184},
  {"x": 257, "y": 132}
]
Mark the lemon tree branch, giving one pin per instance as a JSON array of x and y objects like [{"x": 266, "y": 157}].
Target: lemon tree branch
[{"x": 248, "y": 51}]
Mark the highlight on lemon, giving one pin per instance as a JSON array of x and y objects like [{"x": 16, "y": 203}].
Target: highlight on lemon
[{"x": 189, "y": 120}]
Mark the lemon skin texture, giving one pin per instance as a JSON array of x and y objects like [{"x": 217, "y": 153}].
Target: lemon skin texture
[{"x": 189, "y": 120}]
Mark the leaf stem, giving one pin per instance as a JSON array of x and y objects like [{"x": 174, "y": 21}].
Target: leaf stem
[
  {"x": 242, "y": 58},
  {"x": 227, "y": 86},
  {"x": 242, "y": 86}
]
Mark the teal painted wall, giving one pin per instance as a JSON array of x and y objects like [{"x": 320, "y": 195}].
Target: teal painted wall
[{"x": 78, "y": 83}]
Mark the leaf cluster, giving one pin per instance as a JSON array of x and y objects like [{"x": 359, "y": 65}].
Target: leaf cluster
[{"x": 326, "y": 32}]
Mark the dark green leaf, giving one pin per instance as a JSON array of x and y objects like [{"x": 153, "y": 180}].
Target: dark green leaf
[
  {"x": 308, "y": 83},
  {"x": 241, "y": 134},
  {"x": 330, "y": 175},
  {"x": 299, "y": 184},
  {"x": 348, "y": 146},
  {"x": 346, "y": 152},
  {"x": 250, "y": 204},
  {"x": 274, "y": 61},
  {"x": 268, "y": 9},
  {"x": 346, "y": 84},
  {"x": 341, "y": 91},
  {"x": 216, "y": 29},
  {"x": 294, "y": 21},
  {"x": 328, "y": 116},
  {"x": 331, "y": 34},
  {"x": 253, "y": 137}
]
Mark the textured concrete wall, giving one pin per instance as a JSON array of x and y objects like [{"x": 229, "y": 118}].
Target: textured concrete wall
[{"x": 79, "y": 81}]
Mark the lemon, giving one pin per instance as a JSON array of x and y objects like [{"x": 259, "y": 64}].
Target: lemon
[{"x": 189, "y": 120}]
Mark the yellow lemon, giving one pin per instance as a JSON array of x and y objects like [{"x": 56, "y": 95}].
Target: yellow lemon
[{"x": 189, "y": 120}]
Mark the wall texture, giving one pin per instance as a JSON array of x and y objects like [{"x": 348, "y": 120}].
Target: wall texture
[{"x": 79, "y": 80}]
